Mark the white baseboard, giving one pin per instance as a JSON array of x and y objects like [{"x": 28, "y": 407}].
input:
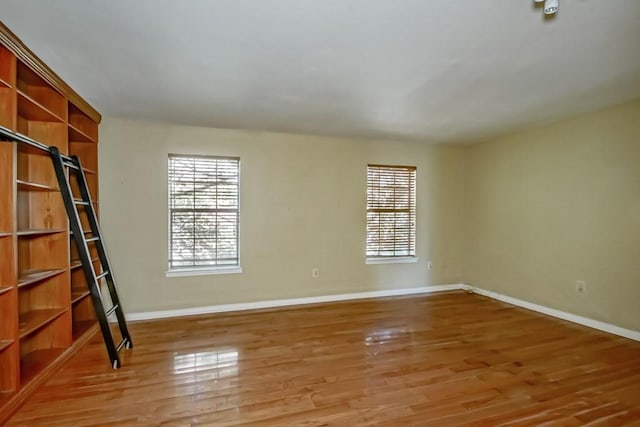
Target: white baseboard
[
  {"x": 585, "y": 321},
  {"x": 288, "y": 302}
]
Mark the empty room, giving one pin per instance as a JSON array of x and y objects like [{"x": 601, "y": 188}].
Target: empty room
[{"x": 319, "y": 212}]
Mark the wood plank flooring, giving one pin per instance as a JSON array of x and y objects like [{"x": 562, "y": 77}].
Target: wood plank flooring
[{"x": 436, "y": 360}]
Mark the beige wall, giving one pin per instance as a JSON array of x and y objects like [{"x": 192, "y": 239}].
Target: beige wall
[
  {"x": 303, "y": 206},
  {"x": 525, "y": 215},
  {"x": 549, "y": 206}
]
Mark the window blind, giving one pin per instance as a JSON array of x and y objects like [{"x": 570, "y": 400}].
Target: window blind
[
  {"x": 391, "y": 211},
  {"x": 204, "y": 211}
]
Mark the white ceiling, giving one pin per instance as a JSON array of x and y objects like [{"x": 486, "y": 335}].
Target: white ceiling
[{"x": 428, "y": 70}]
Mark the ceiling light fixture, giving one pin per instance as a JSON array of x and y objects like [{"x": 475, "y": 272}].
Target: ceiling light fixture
[{"x": 550, "y": 6}]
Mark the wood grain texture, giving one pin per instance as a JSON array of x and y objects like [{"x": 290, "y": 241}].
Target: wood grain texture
[{"x": 443, "y": 360}]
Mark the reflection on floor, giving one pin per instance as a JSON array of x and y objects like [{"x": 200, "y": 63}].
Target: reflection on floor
[
  {"x": 223, "y": 363},
  {"x": 442, "y": 359}
]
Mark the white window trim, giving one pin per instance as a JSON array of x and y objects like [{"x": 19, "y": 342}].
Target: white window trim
[
  {"x": 397, "y": 259},
  {"x": 203, "y": 271},
  {"x": 393, "y": 260},
  {"x": 207, "y": 270}
]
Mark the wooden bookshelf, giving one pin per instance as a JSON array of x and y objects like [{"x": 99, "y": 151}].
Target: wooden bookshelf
[
  {"x": 46, "y": 310},
  {"x": 7, "y": 88}
]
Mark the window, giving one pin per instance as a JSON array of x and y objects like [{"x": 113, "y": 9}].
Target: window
[
  {"x": 391, "y": 211},
  {"x": 204, "y": 211}
]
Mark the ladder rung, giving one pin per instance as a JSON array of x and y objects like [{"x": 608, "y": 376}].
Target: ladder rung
[
  {"x": 111, "y": 310},
  {"x": 122, "y": 344},
  {"x": 80, "y": 202},
  {"x": 92, "y": 239},
  {"x": 101, "y": 275},
  {"x": 70, "y": 164}
]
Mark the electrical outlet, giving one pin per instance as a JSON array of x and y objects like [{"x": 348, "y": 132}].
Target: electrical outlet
[
  {"x": 429, "y": 265},
  {"x": 315, "y": 273},
  {"x": 581, "y": 286}
]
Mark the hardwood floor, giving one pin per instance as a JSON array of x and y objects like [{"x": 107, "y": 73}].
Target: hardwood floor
[{"x": 442, "y": 360}]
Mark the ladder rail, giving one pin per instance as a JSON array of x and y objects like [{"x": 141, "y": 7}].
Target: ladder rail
[
  {"x": 100, "y": 246},
  {"x": 83, "y": 253}
]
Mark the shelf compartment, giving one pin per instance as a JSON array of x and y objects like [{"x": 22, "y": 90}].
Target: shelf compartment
[
  {"x": 7, "y": 107},
  {"x": 6, "y": 187},
  {"x": 76, "y": 263},
  {"x": 42, "y": 250},
  {"x": 83, "y": 316},
  {"x": 34, "y": 164},
  {"x": 92, "y": 184},
  {"x": 7, "y": 91},
  {"x": 40, "y": 213},
  {"x": 34, "y": 362},
  {"x": 78, "y": 296},
  {"x": 4, "y": 344},
  {"x": 87, "y": 153},
  {"x": 78, "y": 281},
  {"x": 40, "y": 93},
  {"x": 33, "y": 276},
  {"x": 7, "y": 67},
  {"x": 34, "y": 186},
  {"x": 93, "y": 252},
  {"x": 9, "y": 325},
  {"x": 30, "y": 149},
  {"x": 84, "y": 221},
  {"x": 8, "y": 369},
  {"x": 32, "y": 321},
  {"x": 82, "y": 125},
  {"x": 80, "y": 327},
  {"x": 7, "y": 267},
  {"x": 47, "y": 293},
  {"x": 30, "y": 109},
  {"x": 78, "y": 135}
]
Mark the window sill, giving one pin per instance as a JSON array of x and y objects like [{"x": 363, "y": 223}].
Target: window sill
[
  {"x": 393, "y": 260},
  {"x": 206, "y": 271}
]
